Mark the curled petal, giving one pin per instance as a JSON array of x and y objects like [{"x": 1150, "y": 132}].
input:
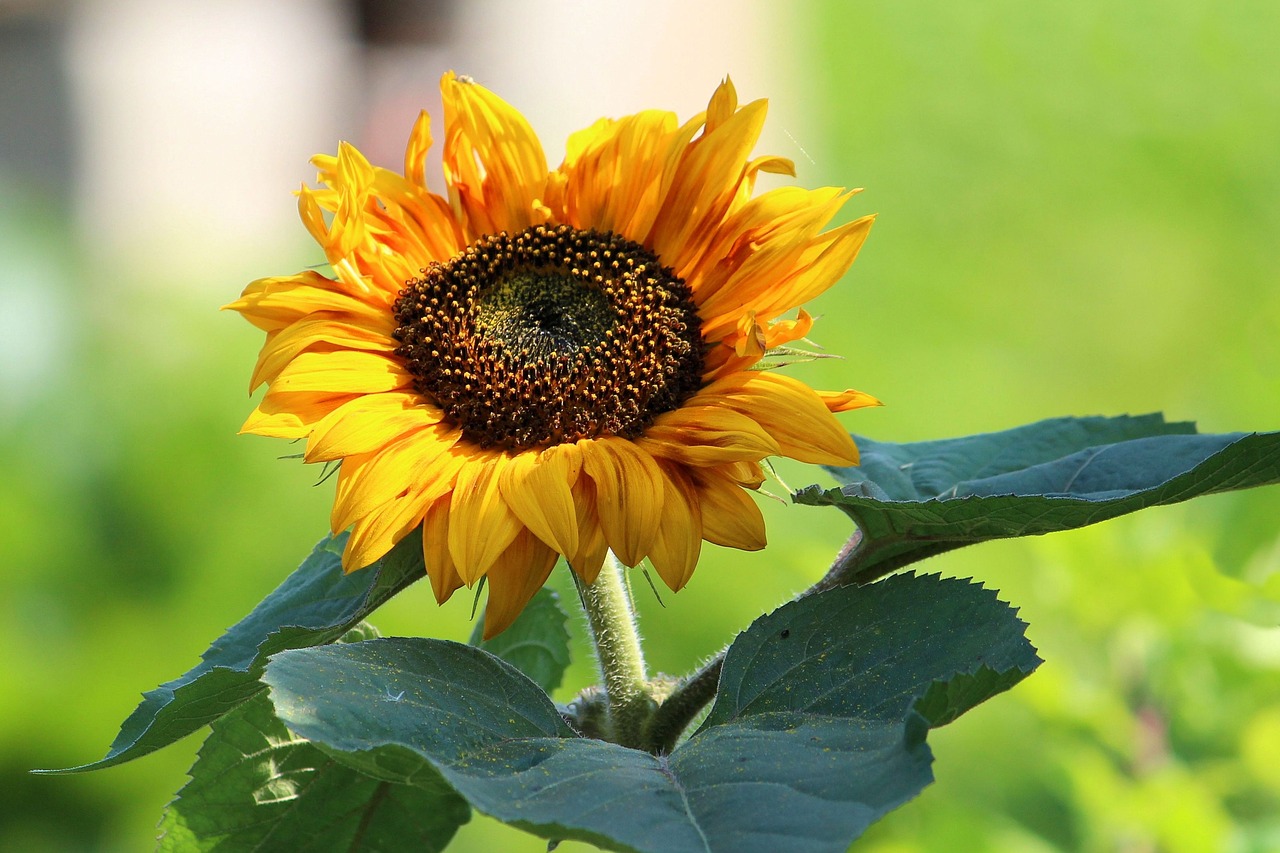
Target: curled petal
[
  {"x": 481, "y": 525},
  {"x": 750, "y": 341},
  {"x": 729, "y": 516},
  {"x": 629, "y": 494},
  {"x": 789, "y": 411},
  {"x": 493, "y": 162},
  {"x": 592, "y": 549},
  {"x": 537, "y": 488},
  {"x": 846, "y": 400},
  {"x": 515, "y": 576},
  {"x": 679, "y": 541},
  {"x": 444, "y": 576},
  {"x": 707, "y": 435},
  {"x": 415, "y": 153},
  {"x": 424, "y": 461}
]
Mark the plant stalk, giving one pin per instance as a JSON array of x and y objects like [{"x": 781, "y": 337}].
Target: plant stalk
[{"x": 612, "y": 619}]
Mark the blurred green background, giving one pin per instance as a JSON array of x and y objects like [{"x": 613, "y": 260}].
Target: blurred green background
[{"x": 1079, "y": 213}]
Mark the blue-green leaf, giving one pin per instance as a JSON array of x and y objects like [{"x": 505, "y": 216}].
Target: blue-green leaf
[
  {"x": 914, "y": 500},
  {"x": 872, "y": 652},
  {"x": 816, "y": 732},
  {"x": 537, "y": 643},
  {"x": 256, "y": 786},
  {"x": 316, "y": 604}
]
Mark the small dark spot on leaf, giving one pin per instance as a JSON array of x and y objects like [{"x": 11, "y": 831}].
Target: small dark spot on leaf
[{"x": 786, "y": 632}]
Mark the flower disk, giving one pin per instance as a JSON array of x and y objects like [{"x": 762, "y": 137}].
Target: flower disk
[
  {"x": 550, "y": 336},
  {"x": 548, "y": 362}
]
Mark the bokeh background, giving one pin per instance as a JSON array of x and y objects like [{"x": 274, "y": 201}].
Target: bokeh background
[{"x": 1079, "y": 213}]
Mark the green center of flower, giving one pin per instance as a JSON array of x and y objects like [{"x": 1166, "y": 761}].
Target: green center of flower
[{"x": 549, "y": 336}]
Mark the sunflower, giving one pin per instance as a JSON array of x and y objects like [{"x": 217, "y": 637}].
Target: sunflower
[{"x": 553, "y": 362}]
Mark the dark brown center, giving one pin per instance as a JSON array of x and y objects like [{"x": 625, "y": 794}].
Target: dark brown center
[{"x": 549, "y": 336}]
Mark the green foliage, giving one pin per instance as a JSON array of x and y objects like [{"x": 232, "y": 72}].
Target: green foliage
[
  {"x": 1078, "y": 213},
  {"x": 257, "y": 786},
  {"x": 919, "y": 499},
  {"x": 884, "y": 645},
  {"x": 820, "y": 711},
  {"x": 537, "y": 643},
  {"x": 814, "y": 736},
  {"x": 316, "y": 604}
]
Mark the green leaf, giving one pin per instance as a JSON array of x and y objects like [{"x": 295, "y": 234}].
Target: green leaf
[
  {"x": 814, "y": 735},
  {"x": 872, "y": 652},
  {"x": 316, "y": 604},
  {"x": 256, "y": 786},
  {"x": 915, "y": 500},
  {"x": 537, "y": 643}
]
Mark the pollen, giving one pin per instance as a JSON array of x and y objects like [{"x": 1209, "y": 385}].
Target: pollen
[{"x": 551, "y": 335}]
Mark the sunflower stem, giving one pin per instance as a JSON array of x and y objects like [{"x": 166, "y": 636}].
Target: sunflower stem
[{"x": 617, "y": 643}]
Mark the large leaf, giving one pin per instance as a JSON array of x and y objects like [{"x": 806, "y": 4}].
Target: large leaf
[
  {"x": 914, "y": 500},
  {"x": 316, "y": 604},
  {"x": 537, "y": 643},
  {"x": 872, "y": 653},
  {"x": 815, "y": 734},
  {"x": 256, "y": 786}
]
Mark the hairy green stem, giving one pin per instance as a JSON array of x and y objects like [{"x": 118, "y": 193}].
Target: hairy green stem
[{"x": 617, "y": 642}]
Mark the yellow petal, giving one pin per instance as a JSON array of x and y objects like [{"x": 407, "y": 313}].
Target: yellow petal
[
  {"x": 679, "y": 541},
  {"x": 312, "y": 216},
  {"x": 707, "y": 435},
  {"x": 749, "y": 342},
  {"x": 424, "y": 460},
  {"x": 493, "y": 162},
  {"x": 729, "y": 516},
  {"x": 342, "y": 372},
  {"x": 629, "y": 495},
  {"x": 435, "y": 551},
  {"x": 515, "y": 576},
  {"x": 415, "y": 153},
  {"x": 537, "y": 488},
  {"x": 723, "y": 104},
  {"x": 323, "y": 331},
  {"x": 703, "y": 187},
  {"x": 284, "y": 414},
  {"x": 772, "y": 164},
  {"x": 481, "y": 525},
  {"x": 788, "y": 410},
  {"x": 401, "y": 225},
  {"x": 846, "y": 400},
  {"x": 749, "y": 475},
  {"x": 613, "y": 171},
  {"x": 822, "y": 265},
  {"x": 786, "y": 331},
  {"x": 759, "y": 247},
  {"x": 592, "y": 549},
  {"x": 273, "y": 303},
  {"x": 368, "y": 423},
  {"x": 374, "y": 535}
]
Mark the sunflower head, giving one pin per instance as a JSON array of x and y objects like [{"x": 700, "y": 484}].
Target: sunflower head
[
  {"x": 552, "y": 362},
  {"x": 569, "y": 334}
]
